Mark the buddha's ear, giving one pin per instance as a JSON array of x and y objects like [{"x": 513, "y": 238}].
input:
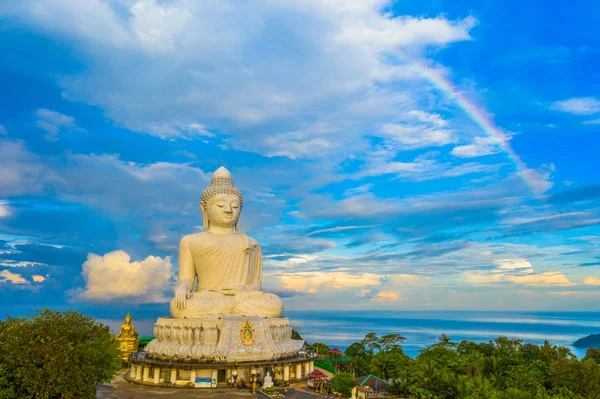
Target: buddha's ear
[
  {"x": 236, "y": 225},
  {"x": 204, "y": 215}
]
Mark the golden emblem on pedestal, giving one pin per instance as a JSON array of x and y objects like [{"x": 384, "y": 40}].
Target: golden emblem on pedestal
[
  {"x": 247, "y": 333},
  {"x": 128, "y": 339}
]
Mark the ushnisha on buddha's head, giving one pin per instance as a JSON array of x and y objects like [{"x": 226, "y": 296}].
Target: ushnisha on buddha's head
[{"x": 221, "y": 203}]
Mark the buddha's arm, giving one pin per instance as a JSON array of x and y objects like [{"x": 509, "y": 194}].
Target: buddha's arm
[
  {"x": 120, "y": 332},
  {"x": 186, "y": 274},
  {"x": 255, "y": 275},
  {"x": 253, "y": 257}
]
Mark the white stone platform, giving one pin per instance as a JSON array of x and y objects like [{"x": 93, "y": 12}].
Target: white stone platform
[{"x": 218, "y": 339}]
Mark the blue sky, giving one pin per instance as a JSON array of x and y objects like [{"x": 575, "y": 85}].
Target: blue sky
[{"x": 351, "y": 128}]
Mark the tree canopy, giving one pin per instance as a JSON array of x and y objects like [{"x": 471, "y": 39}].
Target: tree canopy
[
  {"x": 500, "y": 369},
  {"x": 320, "y": 348},
  {"x": 55, "y": 355},
  {"x": 296, "y": 335},
  {"x": 343, "y": 383}
]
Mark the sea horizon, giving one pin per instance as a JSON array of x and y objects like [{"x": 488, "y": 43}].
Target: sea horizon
[{"x": 422, "y": 328}]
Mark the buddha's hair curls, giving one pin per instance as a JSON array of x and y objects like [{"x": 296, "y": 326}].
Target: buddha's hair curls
[{"x": 221, "y": 183}]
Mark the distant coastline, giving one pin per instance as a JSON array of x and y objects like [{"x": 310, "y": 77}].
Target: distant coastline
[{"x": 591, "y": 341}]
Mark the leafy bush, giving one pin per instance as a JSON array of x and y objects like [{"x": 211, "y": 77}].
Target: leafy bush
[
  {"x": 55, "y": 355},
  {"x": 343, "y": 383}
]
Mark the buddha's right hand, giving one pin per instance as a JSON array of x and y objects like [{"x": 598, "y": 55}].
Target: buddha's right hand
[{"x": 181, "y": 295}]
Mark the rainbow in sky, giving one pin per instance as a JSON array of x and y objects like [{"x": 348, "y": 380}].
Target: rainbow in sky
[{"x": 479, "y": 116}]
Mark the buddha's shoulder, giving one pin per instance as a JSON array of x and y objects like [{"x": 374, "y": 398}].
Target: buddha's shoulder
[
  {"x": 205, "y": 237},
  {"x": 195, "y": 238},
  {"x": 251, "y": 241}
]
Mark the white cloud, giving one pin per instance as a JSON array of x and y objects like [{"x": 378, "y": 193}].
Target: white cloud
[
  {"x": 5, "y": 210},
  {"x": 591, "y": 281},
  {"x": 339, "y": 228},
  {"x": 481, "y": 146},
  {"x": 107, "y": 182},
  {"x": 38, "y": 278},
  {"x": 592, "y": 122},
  {"x": 358, "y": 190},
  {"x": 422, "y": 168},
  {"x": 518, "y": 272},
  {"x": 540, "y": 180},
  {"x": 21, "y": 172},
  {"x": 294, "y": 145},
  {"x": 13, "y": 278},
  {"x": 22, "y": 263},
  {"x": 387, "y": 296},
  {"x": 228, "y": 65},
  {"x": 514, "y": 265},
  {"x": 417, "y": 136},
  {"x": 432, "y": 119},
  {"x": 115, "y": 277},
  {"x": 178, "y": 129},
  {"x": 546, "y": 279},
  {"x": 312, "y": 282},
  {"x": 482, "y": 278},
  {"x": 157, "y": 27},
  {"x": 54, "y": 122},
  {"x": 578, "y": 106}
]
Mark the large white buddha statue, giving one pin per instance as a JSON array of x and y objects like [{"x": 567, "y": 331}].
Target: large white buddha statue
[{"x": 225, "y": 266}]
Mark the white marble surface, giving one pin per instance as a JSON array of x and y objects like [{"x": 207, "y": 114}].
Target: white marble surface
[
  {"x": 220, "y": 340},
  {"x": 220, "y": 270}
]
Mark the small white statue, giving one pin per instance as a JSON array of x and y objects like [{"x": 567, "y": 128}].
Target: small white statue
[
  {"x": 225, "y": 266},
  {"x": 268, "y": 381}
]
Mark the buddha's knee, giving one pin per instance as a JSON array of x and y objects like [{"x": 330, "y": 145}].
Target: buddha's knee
[
  {"x": 265, "y": 305},
  {"x": 201, "y": 305}
]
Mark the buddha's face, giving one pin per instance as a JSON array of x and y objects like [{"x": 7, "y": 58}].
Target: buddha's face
[{"x": 223, "y": 210}]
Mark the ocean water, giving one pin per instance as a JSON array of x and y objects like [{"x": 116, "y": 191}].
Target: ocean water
[{"x": 421, "y": 328}]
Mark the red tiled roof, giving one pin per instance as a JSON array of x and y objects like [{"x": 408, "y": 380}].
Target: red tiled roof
[{"x": 317, "y": 374}]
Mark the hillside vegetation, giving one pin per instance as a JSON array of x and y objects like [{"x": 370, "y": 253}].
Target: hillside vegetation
[{"x": 500, "y": 369}]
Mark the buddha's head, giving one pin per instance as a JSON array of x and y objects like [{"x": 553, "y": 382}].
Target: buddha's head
[
  {"x": 128, "y": 319},
  {"x": 221, "y": 202}
]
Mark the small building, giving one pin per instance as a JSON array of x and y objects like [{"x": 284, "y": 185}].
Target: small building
[
  {"x": 335, "y": 352},
  {"x": 315, "y": 377},
  {"x": 370, "y": 387}
]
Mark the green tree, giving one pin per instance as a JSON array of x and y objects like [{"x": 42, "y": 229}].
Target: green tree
[
  {"x": 356, "y": 349},
  {"x": 55, "y": 355},
  {"x": 296, "y": 335},
  {"x": 343, "y": 383},
  {"x": 370, "y": 342},
  {"x": 389, "y": 364},
  {"x": 593, "y": 354},
  {"x": 362, "y": 366},
  {"x": 320, "y": 348},
  {"x": 378, "y": 349}
]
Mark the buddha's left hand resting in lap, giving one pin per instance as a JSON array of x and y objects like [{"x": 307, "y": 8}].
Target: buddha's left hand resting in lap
[{"x": 225, "y": 265}]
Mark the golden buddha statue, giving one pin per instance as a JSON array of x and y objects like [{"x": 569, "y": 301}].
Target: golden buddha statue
[
  {"x": 224, "y": 266},
  {"x": 128, "y": 338}
]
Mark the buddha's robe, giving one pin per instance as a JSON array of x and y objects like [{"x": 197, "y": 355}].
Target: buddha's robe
[{"x": 224, "y": 262}]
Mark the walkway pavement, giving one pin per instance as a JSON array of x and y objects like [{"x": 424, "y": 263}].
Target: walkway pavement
[{"x": 121, "y": 389}]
